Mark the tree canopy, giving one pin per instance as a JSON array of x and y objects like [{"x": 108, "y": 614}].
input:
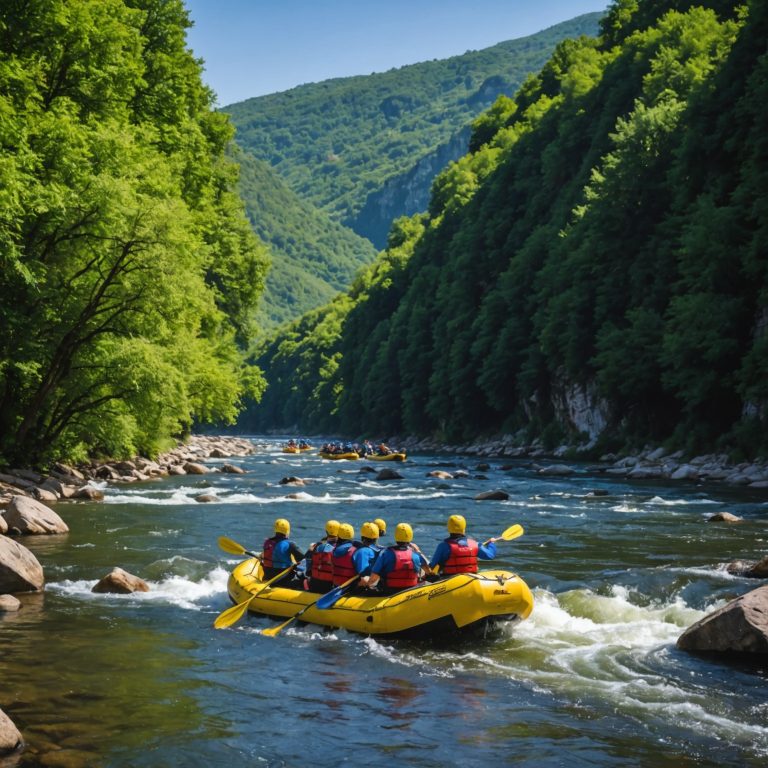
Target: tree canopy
[{"x": 128, "y": 269}]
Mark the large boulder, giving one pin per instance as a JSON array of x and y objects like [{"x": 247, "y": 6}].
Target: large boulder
[
  {"x": 10, "y": 738},
  {"x": 32, "y": 517},
  {"x": 20, "y": 570},
  {"x": 120, "y": 582},
  {"x": 741, "y": 626}
]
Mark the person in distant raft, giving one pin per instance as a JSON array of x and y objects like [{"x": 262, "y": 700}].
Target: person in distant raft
[
  {"x": 459, "y": 553},
  {"x": 397, "y": 567},
  {"x": 319, "y": 564},
  {"x": 279, "y": 552}
]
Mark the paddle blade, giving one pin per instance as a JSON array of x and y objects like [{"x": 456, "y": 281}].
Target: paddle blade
[
  {"x": 272, "y": 631},
  {"x": 513, "y": 532},
  {"x": 231, "y": 546},
  {"x": 231, "y": 615},
  {"x": 330, "y": 598}
]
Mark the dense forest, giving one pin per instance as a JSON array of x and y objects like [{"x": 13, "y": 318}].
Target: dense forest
[
  {"x": 339, "y": 143},
  {"x": 592, "y": 271},
  {"x": 128, "y": 269},
  {"x": 313, "y": 257}
]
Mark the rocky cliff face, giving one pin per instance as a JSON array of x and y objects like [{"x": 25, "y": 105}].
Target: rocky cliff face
[{"x": 408, "y": 193}]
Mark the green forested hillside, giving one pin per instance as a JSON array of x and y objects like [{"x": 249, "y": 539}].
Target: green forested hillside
[
  {"x": 313, "y": 258},
  {"x": 128, "y": 270},
  {"x": 594, "y": 270},
  {"x": 339, "y": 141}
]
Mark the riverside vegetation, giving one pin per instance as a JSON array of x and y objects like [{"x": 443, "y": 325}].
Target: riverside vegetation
[{"x": 592, "y": 273}]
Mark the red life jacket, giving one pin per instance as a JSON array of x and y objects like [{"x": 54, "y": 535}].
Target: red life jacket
[
  {"x": 343, "y": 567},
  {"x": 322, "y": 563},
  {"x": 463, "y": 557},
  {"x": 403, "y": 574},
  {"x": 266, "y": 557}
]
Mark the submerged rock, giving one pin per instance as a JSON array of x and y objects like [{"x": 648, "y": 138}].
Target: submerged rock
[
  {"x": 497, "y": 495},
  {"x": 120, "y": 582},
  {"x": 741, "y": 626}
]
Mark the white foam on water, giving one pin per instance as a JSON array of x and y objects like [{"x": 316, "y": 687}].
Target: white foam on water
[
  {"x": 180, "y": 591},
  {"x": 610, "y": 648},
  {"x": 680, "y": 502}
]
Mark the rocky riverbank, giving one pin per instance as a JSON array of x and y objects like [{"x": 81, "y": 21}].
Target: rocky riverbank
[
  {"x": 649, "y": 464},
  {"x": 24, "y": 511}
]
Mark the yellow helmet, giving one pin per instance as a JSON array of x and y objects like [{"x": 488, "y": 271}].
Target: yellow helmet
[
  {"x": 381, "y": 525},
  {"x": 369, "y": 531},
  {"x": 457, "y": 524},
  {"x": 282, "y": 526},
  {"x": 332, "y": 527},
  {"x": 346, "y": 531},
  {"x": 403, "y": 533}
]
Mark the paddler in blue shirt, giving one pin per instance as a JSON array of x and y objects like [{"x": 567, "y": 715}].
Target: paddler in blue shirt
[
  {"x": 397, "y": 567},
  {"x": 459, "y": 553},
  {"x": 280, "y": 552},
  {"x": 366, "y": 554}
]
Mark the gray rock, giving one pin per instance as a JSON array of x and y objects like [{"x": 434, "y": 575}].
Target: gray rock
[
  {"x": 557, "y": 470},
  {"x": 232, "y": 469},
  {"x": 497, "y": 495},
  {"x": 207, "y": 498},
  {"x": 685, "y": 472},
  {"x": 388, "y": 474},
  {"x": 440, "y": 474},
  {"x": 20, "y": 570},
  {"x": 741, "y": 626},
  {"x": 33, "y": 517}
]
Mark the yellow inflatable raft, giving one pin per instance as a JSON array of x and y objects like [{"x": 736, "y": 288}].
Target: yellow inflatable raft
[
  {"x": 349, "y": 456},
  {"x": 386, "y": 457},
  {"x": 459, "y": 604}
]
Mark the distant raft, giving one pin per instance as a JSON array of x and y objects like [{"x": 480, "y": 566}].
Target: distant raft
[
  {"x": 464, "y": 604},
  {"x": 350, "y": 456},
  {"x": 385, "y": 457}
]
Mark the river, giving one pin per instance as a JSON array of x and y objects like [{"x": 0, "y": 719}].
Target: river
[{"x": 593, "y": 678}]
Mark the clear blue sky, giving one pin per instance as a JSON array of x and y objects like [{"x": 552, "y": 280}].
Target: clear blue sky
[{"x": 254, "y": 47}]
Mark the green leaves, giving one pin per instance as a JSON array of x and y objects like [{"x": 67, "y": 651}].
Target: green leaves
[{"x": 131, "y": 264}]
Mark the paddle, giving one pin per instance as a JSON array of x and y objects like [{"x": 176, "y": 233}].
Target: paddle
[
  {"x": 327, "y": 600},
  {"x": 231, "y": 615},
  {"x": 231, "y": 546},
  {"x": 513, "y": 532}
]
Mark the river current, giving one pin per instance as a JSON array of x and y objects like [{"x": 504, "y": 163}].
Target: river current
[{"x": 593, "y": 678}]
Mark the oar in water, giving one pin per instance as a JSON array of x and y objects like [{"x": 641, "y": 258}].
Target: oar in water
[
  {"x": 231, "y": 615},
  {"x": 326, "y": 601},
  {"x": 231, "y": 546}
]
